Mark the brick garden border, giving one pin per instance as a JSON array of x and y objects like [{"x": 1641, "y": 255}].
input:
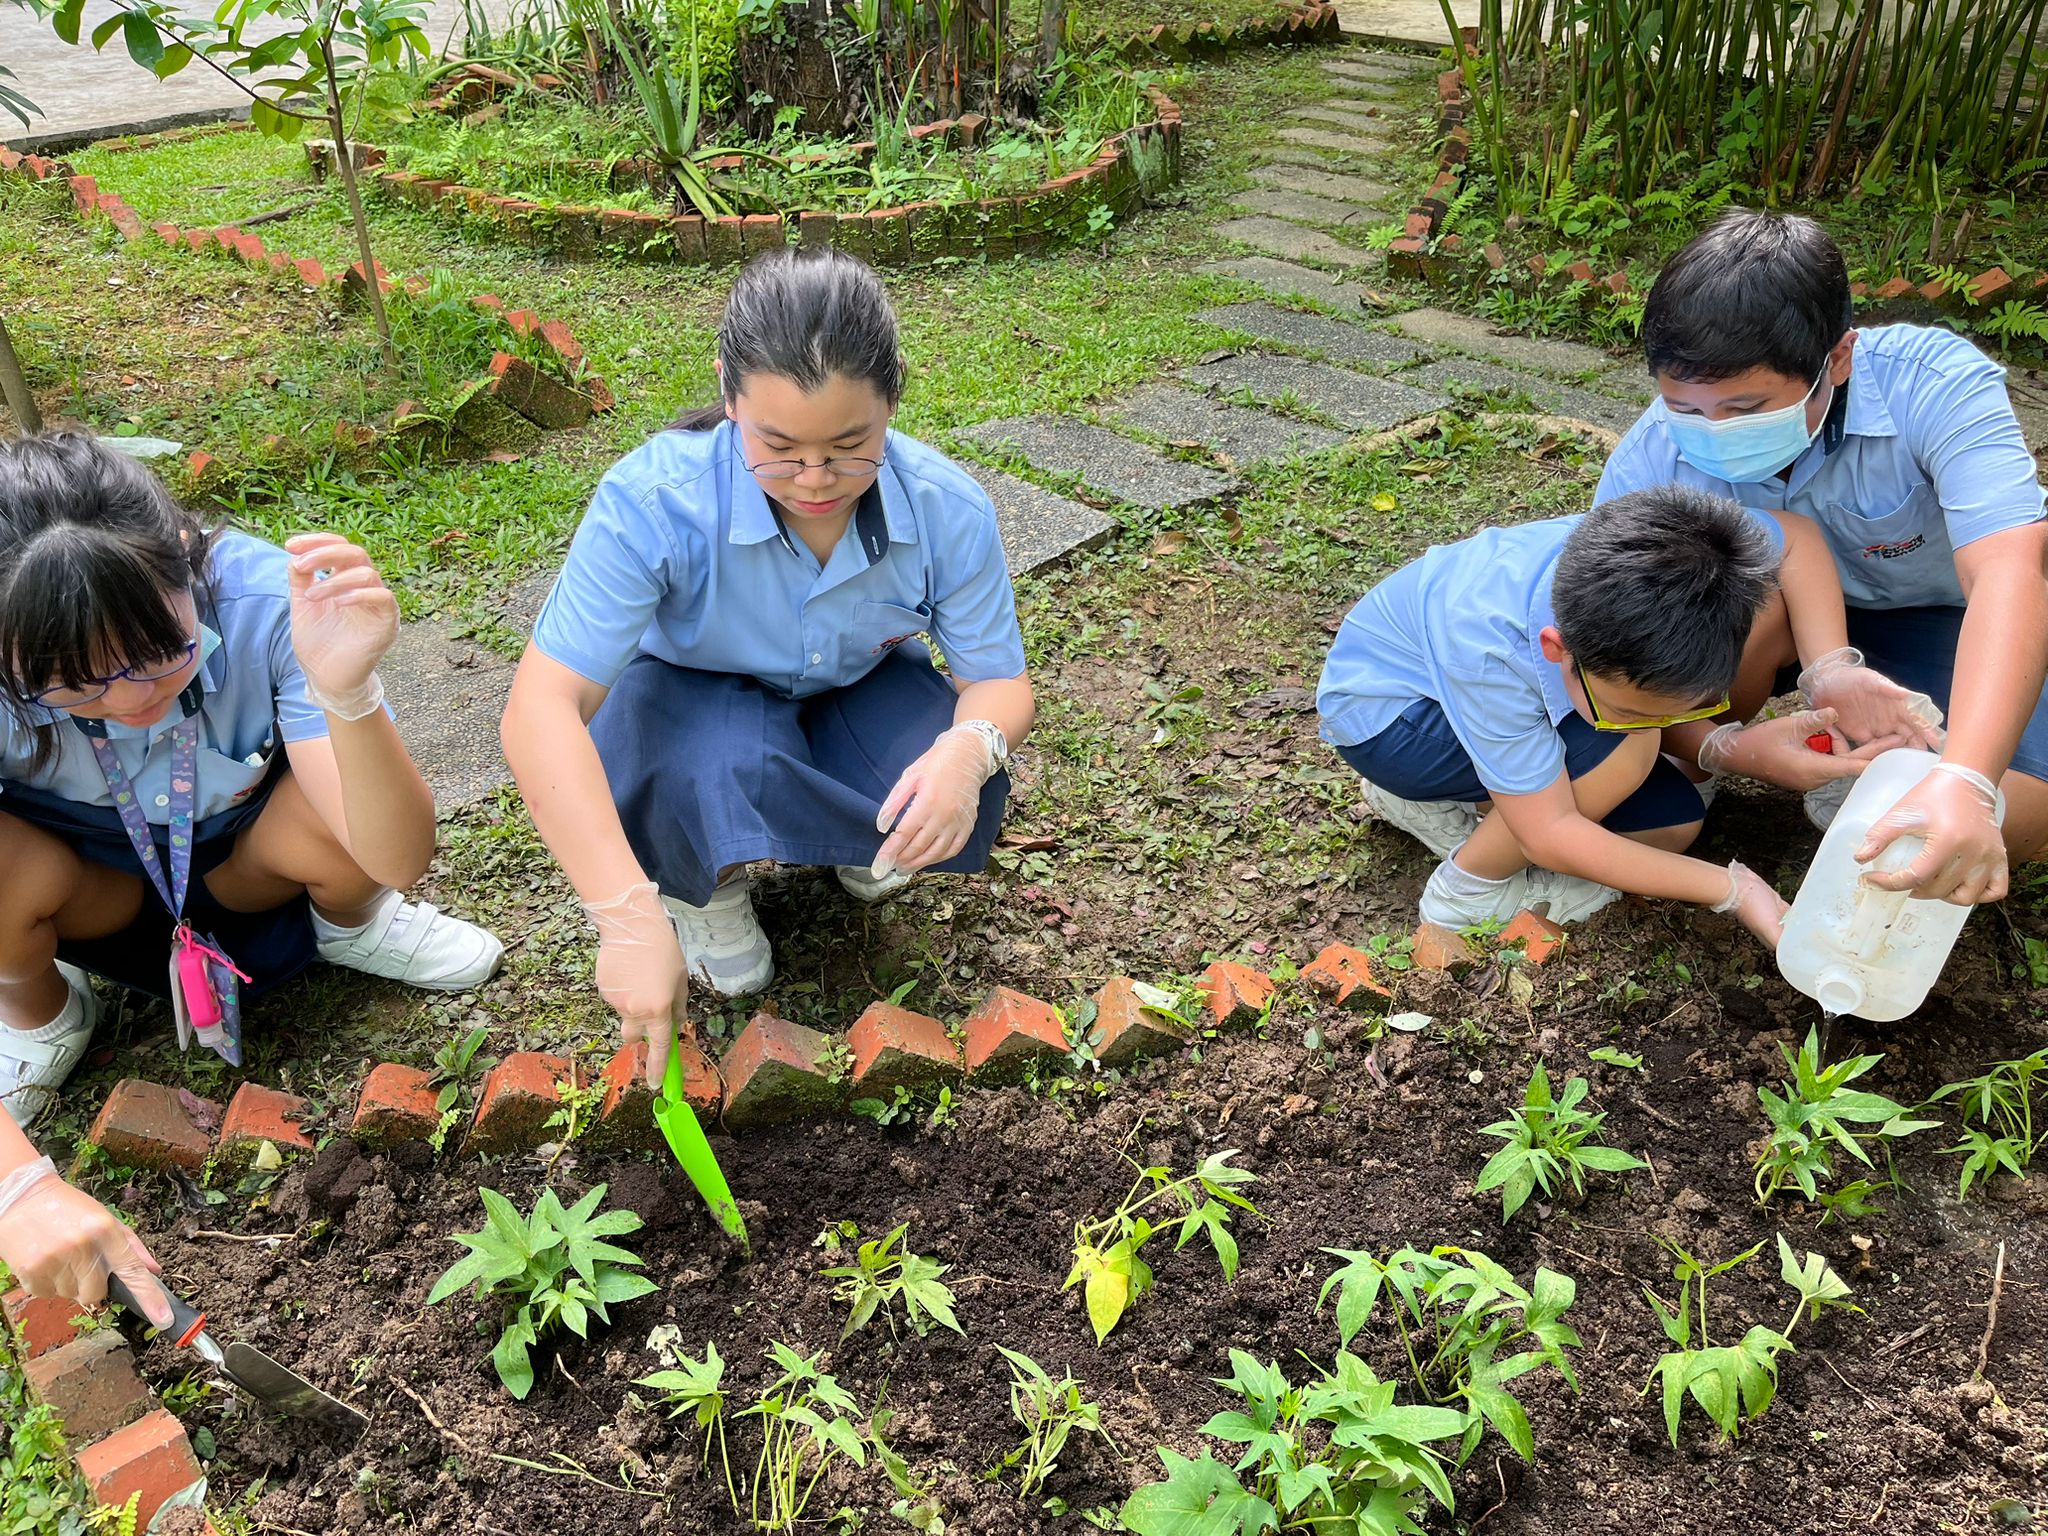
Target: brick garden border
[{"x": 508, "y": 407}]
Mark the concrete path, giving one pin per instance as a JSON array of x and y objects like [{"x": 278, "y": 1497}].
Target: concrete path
[{"x": 1403, "y": 23}]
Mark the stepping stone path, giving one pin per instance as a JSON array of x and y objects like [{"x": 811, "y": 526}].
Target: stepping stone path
[
  {"x": 1371, "y": 124},
  {"x": 1312, "y": 332},
  {"x": 1244, "y": 436},
  {"x": 1129, "y": 471},
  {"x": 1277, "y": 237},
  {"x": 1340, "y": 143},
  {"x": 1313, "y": 181},
  {"x": 1307, "y": 208},
  {"x": 1360, "y": 401}
]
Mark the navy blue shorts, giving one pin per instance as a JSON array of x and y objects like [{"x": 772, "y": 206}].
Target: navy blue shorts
[
  {"x": 1419, "y": 757},
  {"x": 270, "y": 947},
  {"x": 712, "y": 769}
]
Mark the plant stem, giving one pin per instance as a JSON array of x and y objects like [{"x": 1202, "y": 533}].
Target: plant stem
[
  {"x": 14, "y": 387},
  {"x": 345, "y": 157}
]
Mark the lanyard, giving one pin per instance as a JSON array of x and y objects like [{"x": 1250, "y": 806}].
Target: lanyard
[{"x": 184, "y": 796}]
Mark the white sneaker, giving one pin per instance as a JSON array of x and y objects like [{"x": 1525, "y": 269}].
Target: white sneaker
[
  {"x": 1439, "y": 825},
  {"x": 31, "y": 1071},
  {"x": 1568, "y": 898},
  {"x": 415, "y": 943},
  {"x": 1823, "y": 803},
  {"x": 861, "y": 884},
  {"x": 723, "y": 941}
]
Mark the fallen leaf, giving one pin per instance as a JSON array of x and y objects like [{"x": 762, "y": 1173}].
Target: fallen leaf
[
  {"x": 1277, "y": 701},
  {"x": 1172, "y": 542},
  {"x": 1409, "y": 1023},
  {"x": 1024, "y": 844},
  {"x": 1386, "y": 501},
  {"x": 1219, "y": 355},
  {"x": 204, "y": 1116}
]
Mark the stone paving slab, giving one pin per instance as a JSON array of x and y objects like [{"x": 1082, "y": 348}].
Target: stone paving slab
[
  {"x": 1553, "y": 398},
  {"x": 1341, "y": 143},
  {"x": 1360, "y": 401},
  {"x": 1286, "y": 279},
  {"x": 1314, "y": 181},
  {"x": 1306, "y": 208},
  {"x": 1370, "y": 124},
  {"x": 1470, "y": 333},
  {"x": 1403, "y": 21},
  {"x": 1380, "y": 66},
  {"x": 1277, "y": 237},
  {"x": 1245, "y": 435},
  {"x": 1316, "y": 333},
  {"x": 1038, "y": 527},
  {"x": 1301, "y": 157},
  {"x": 1114, "y": 465},
  {"x": 448, "y": 694}
]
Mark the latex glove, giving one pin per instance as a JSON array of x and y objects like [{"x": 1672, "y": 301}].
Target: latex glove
[
  {"x": 1756, "y": 906},
  {"x": 1776, "y": 751},
  {"x": 641, "y": 971},
  {"x": 59, "y": 1241},
  {"x": 935, "y": 803},
  {"x": 342, "y": 623},
  {"x": 1962, "y": 859},
  {"x": 1871, "y": 709}
]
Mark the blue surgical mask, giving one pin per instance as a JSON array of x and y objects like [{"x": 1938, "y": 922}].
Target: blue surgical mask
[{"x": 1743, "y": 449}]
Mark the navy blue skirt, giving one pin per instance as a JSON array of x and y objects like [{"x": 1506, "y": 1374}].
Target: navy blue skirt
[
  {"x": 269, "y": 947},
  {"x": 712, "y": 769}
]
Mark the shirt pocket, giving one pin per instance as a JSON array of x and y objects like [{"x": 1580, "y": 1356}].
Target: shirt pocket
[
  {"x": 226, "y": 782},
  {"x": 1897, "y": 559},
  {"x": 878, "y": 628}
]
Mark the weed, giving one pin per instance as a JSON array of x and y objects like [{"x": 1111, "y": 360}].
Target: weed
[
  {"x": 38, "y": 1489},
  {"x": 880, "y": 1277},
  {"x": 1547, "y": 1138},
  {"x": 1050, "y": 1412},
  {"x": 1626, "y": 1060},
  {"x": 1854, "y": 1201},
  {"x": 1106, "y": 1249},
  {"x": 454, "y": 1063},
  {"x": 1391, "y": 952},
  {"x": 943, "y": 1111},
  {"x": 894, "y": 1110},
  {"x": 1997, "y": 1111},
  {"x": 1817, "y": 1114},
  {"x": 577, "y": 1111},
  {"x": 552, "y": 1269}
]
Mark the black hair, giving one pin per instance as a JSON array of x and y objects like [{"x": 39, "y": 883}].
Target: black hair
[
  {"x": 92, "y": 548},
  {"x": 1751, "y": 290},
  {"x": 805, "y": 316},
  {"x": 1660, "y": 588}
]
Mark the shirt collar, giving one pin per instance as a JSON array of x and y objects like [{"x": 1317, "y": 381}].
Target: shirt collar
[
  {"x": 1866, "y": 414},
  {"x": 1549, "y": 676}
]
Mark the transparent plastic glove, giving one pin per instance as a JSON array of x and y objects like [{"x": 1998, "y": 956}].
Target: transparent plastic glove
[
  {"x": 641, "y": 971},
  {"x": 59, "y": 1241},
  {"x": 935, "y": 803},
  {"x": 1756, "y": 906},
  {"x": 1962, "y": 859},
  {"x": 343, "y": 621},
  {"x": 1871, "y": 709},
  {"x": 1777, "y": 752}
]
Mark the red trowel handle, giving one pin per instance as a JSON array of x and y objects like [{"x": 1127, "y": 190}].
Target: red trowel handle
[
  {"x": 187, "y": 1323},
  {"x": 1821, "y": 741}
]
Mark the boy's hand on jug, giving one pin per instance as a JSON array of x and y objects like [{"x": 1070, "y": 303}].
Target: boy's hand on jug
[{"x": 1962, "y": 858}]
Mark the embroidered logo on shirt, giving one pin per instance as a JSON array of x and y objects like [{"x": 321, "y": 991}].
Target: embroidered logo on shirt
[
  {"x": 893, "y": 641},
  {"x": 1893, "y": 551}
]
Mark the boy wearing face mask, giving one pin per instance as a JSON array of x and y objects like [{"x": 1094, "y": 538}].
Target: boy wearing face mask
[{"x": 1900, "y": 445}]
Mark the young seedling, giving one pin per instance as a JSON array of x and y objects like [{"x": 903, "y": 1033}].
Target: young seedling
[
  {"x": 453, "y": 1064},
  {"x": 880, "y": 1277},
  {"x": 805, "y": 1426},
  {"x": 1733, "y": 1383},
  {"x": 552, "y": 1270},
  {"x": 1336, "y": 1455},
  {"x": 697, "y": 1387},
  {"x": 1106, "y": 1250},
  {"x": 1997, "y": 1112},
  {"x": 1050, "y": 1412},
  {"x": 1469, "y": 1329},
  {"x": 1817, "y": 1113},
  {"x": 1548, "y": 1139}
]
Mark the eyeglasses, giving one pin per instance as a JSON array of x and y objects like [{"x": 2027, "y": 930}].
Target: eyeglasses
[
  {"x": 1602, "y": 723},
  {"x": 789, "y": 469},
  {"x": 150, "y": 672}
]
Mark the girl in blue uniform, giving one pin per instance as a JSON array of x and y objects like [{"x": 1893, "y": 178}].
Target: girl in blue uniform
[
  {"x": 200, "y": 791},
  {"x": 730, "y": 668}
]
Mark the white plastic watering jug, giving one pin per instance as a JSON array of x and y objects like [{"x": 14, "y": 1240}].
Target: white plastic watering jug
[{"x": 1850, "y": 946}]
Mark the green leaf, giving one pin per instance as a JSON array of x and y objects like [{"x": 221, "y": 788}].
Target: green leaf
[
  {"x": 145, "y": 47},
  {"x": 1198, "y": 1498},
  {"x": 106, "y": 29},
  {"x": 509, "y": 1355},
  {"x": 1358, "y": 1286},
  {"x": 1505, "y": 1414},
  {"x": 1608, "y": 1159}
]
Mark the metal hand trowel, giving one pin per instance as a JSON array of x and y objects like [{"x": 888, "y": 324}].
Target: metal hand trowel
[
  {"x": 686, "y": 1140},
  {"x": 250, "y": 1369}
]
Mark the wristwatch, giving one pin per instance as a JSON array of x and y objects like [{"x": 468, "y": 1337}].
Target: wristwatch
[{"x": 993, "y": 738}]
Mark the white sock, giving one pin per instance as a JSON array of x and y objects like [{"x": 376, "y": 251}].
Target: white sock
[
  {"x": 69, "y": 1017},
  {"x": 1457, "y": 880},
  {"x": 327, "y": 931}
]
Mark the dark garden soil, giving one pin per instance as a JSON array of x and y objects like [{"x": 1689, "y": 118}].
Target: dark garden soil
[{"x": 1361, "y": 1144}]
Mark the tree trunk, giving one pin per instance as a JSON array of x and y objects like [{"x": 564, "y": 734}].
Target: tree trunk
[
  {"x": 345, "y": 158},
  {"x": 1052, "y": 31},
  {"x": 14, "y": 388}
]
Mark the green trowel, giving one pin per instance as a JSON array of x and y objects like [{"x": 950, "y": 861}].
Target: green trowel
[{"x": 686, "y": 1139}]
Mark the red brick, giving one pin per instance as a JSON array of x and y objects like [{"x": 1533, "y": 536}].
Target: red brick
[
  {"x": 170, "y": 234},
  {"x": 1126, "y": 1029},
  {"x": 776, "y": 1071},
  {"x": 399, "y": 1103},
  {"x": 513, "y": 1106},
  {"x": 1859, "y": 290},
  {"x": 311, "y": 273},
  {"x": 1986, "y": 285},
  {"x": 1582, "y": 272},
  {"x": 724, "y": 244},
  {"x": 1436, "y": 948},
  {"x": 85, "y": 193},
  {"x": 1450, "y": 85},
  {"x": 249, "y": 247},
  {"x": 40, "y": 1323},
  {"x": 972, "y": 126},
  {"x": 1010, "y": 1031},
  {"x": 257, "y": 1113},
  {"x": 1896, "y": 288},
  {"x": 1539, "y": 936},
  {"x": 524, "y": 322},
  {"x": 10, "y": 159},
  {"x": 1617, "y": 282},
  {"x": 278, "y": 262},
  {"x": 121, "y": 216},
  {"x": 1934, "y": 292},
  {"x": 199, "y": 239},
  {"x": 540, "y": 399},
  {"x": 815, "y": 231},
  {"x": 489, "y": 301},
  {"x": 91, "y": 1384},
  {"x": 1419, "y": 224},
  {"x": 626, "y": 1117},
  {"x": 761, "y": 233},
  {"x": 1235, "y": 994},
  {"x": 145, "y": 1125},
  {"x": 198, "y": 462},
  {"x": 1345, "y": 975},
  {"x": 601, "y": 397},
  {"x": 686, "y": 230},
  {"x": 1539, "y": 266},
  {"x": 1496, "y": 258},
  {"x": 149, "y": 1461},
  {"x": 896, "y": 1048}
]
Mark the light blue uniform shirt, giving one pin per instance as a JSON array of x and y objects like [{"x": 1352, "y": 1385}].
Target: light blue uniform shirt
[
  {"x": 1460, "y": 626},
  {"x": 681, "y": 556},
  {"x": 1928, "y": 458},
  {"x": 254, "y": 699}
]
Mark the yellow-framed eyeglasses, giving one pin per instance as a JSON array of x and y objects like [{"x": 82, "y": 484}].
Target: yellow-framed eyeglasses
[{"x": 1602, "y": 723}]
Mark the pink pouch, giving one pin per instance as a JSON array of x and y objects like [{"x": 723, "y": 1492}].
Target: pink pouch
[{"x": 202, "y": 1008}]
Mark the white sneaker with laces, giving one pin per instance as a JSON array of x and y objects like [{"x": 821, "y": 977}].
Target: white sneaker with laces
[
  {"x": 32, "y": 1068},
  {"x": 1568, "y": 898},
  {"x": 416, "y": 943},
  {"x": 723, "y": 941},
  {"x": 861, "y": 884},
  {"x": 1439, "y": 825}
]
